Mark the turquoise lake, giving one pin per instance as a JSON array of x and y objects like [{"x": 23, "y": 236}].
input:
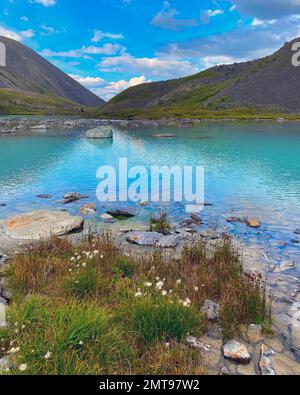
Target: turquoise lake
[{"x": 250, "y": 170}]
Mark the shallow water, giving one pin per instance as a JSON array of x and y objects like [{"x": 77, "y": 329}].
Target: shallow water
[{"x": 250, "y": 170}]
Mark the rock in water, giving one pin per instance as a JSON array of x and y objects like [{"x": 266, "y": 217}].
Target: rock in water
[
  {"x": 119, "y": 213},
  {"x": 106, "y": 216},
  {"x": 265, "y": 363},
  {"x": 295, "y": 339},
  {"x": 236, "y": 351},
  {"x": 211, "y": 310},
  {"x": 102, "y": 132},
  {"x": 41, "y": 224},
  {"x": 253, "y": 222},
  {"x": 88, "y": 209}
]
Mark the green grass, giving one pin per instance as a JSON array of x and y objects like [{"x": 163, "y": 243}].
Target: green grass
[
  {"x": 159, "y": 223},
  {"x": 77, "y": 337},
  {"x": 157, "y": 318},
  {"x": 95, "y": 310},
  {"x": 19, "y": 103}
]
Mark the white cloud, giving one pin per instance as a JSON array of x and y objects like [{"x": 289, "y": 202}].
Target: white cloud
[
  {"x": 99, "y": 35},
  {"x": 106, "y": 89},
  {"x": 106, "y": 49},
  {"x": 88, "y": 81},
  {"x": 258, "y": 22},
  {"x": 208, "y": 14},
  {"x": 152, "y": 67},
  {"x": 48, "y": 30},
  {"x": 213, "y": 13},
  {"x": 18, "y": 36},
  {"x": 113, "y": 88},
  {"x": 166, "y": 19},
  {"x": 45, "y": 3}
]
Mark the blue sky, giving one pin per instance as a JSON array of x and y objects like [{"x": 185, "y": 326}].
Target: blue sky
[{"x": 109, "y": 45}]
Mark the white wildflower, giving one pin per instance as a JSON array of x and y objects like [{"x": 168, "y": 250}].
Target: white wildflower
[
  {"x": 148, "y": 284},
  {"x": 23, "y": 367},
  {"x": 48, "y": 355},
  {"x": 138, "y": 294},
  {"x": 196, "y": 289},
  {"x": 178, "y": 282},
  {"x": 14, "y": 350},
  {"x": 159, "y": 285},
  {"x": 84, "y": 264},
  {"x": 164, "y": 293}
]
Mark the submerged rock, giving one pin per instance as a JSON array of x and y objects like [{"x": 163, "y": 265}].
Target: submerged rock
[
  {"x": 272, "y": 363},
  {"x": 36, "y": 225},
  {"x": 44, "y": 196},
  {"x": 236, "y": 351},
  {"x": 106, "y": 216},
  {"x": 72, "y": 197},
  {"x": 101, "y": 132},
  {"x": 121, "y": 213},
  {"x": 211, "y": 310},
  {"x": 253, "y": 222},
  {"x": 295, "y": 339}
]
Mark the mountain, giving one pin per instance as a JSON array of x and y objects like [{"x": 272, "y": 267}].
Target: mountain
[
  {"x": 270, "y": 84},
  {"x": 27, "y": 72}
]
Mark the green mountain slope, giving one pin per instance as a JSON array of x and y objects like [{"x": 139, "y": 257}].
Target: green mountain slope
[{"x": 266, "y": 87}]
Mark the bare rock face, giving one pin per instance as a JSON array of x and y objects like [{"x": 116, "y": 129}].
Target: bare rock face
[
  {"x": 41, "y": 224},
  {"x": 236, "y": 351},
  {"x": 102, "y": 132}
]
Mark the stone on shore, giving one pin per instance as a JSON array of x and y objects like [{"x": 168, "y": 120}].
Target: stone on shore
[
  {"x": 41, "y": 224},
  {"x": 156, "y": 239},
  {"x": 101, "y": 132},
  {"x": 4, "y": 364},
  {"x": 88, "y": 209},
  {"x": 254, "y": 333},
  {"x": 236, "y": 351},
  {"x": 106, "y": 216},
  {"x": 211, "y": 310}
]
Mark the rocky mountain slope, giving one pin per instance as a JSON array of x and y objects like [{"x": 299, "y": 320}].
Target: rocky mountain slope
[
  {"x": 28, "y": 72},
  {"x": 268, "y": 84}
]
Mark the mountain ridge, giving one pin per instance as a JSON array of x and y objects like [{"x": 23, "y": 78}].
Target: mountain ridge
[
  {"x": 268, "y": 84},
  {"x": 28, "y": 72}
]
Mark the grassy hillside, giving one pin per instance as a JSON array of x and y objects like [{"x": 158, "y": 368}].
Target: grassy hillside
[
  {"x": 18, "y": 103},
  {"x": 263, "y": 88}
]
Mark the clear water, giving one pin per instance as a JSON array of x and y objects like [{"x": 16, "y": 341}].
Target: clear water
[{"x": 250, "y": 169}]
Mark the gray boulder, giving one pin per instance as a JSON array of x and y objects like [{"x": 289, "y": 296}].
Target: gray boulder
[{"x": 211, "y": 310}]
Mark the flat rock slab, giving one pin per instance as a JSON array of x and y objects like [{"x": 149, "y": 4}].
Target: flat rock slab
[
  {"x": 41, "y": 224},
  {"x": 155, "y": 239}
]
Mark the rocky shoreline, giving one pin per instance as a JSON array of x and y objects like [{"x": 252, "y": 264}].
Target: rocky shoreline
[
  {"x": 17, "y": 125},
  {"x": 276, "y": 354}
]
